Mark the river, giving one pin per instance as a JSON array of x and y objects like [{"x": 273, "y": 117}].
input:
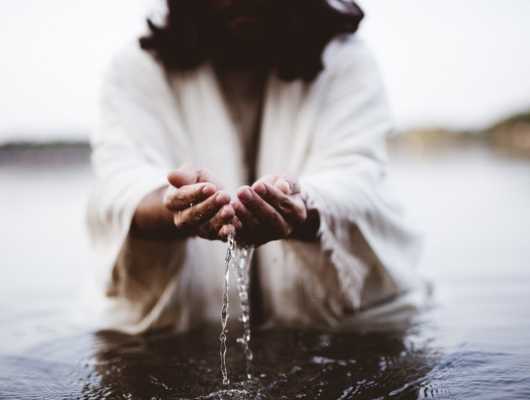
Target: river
[{"x": 474, "y": 205}]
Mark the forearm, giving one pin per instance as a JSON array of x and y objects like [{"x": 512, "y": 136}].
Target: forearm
[{"x": 153, "y": 221}]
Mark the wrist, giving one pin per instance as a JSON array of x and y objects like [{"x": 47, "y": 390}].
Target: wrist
[
  {"x": 153, "y": 221},
  {"x": 307, "y": 231}
]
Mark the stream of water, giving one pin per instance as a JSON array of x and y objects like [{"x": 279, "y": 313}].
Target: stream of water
[
  {"x": 224, "y": 309},
  {"x": 240, "y": 257},
  {"x": 242, "y": 261}
]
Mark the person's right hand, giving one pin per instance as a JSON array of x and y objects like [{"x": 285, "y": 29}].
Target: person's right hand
[{"x": 199, "y": 206}]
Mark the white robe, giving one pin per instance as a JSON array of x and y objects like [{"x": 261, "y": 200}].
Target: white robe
[{"x": 330, "y": 133}]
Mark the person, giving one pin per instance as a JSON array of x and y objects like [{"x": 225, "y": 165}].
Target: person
[{"x": 267, "y": 118}]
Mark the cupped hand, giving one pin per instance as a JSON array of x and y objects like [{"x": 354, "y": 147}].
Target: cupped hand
[
  {"x": 198, "y": 204},
  {"x": 269, "y": 210}
]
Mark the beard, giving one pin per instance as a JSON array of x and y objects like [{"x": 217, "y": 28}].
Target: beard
[{"x": 246, "y": 35}]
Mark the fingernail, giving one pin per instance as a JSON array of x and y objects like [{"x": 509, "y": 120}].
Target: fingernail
[
  {"x": 288, "y": 186},
  {"x": 225, "y": 213},
  {"x": 221, "y": 199},
  {"x": 245, "y": 195},
  {"x": 208, "y": 190},
  {"x": 260, "y": 189}
]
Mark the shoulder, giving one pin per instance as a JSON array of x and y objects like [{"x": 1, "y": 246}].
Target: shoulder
[
  {"x": 349, "y": 55},
  {"x": 131, "y": 65},
  {"x": 347, "y": 49}
]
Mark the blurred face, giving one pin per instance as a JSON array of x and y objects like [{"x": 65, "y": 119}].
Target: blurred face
[{"x": 243, "y": 20}]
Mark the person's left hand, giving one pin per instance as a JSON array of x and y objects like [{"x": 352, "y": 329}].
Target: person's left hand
[{"x": 269, "y": 210}]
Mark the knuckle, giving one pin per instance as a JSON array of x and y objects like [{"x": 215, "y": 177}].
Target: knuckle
[
  {"x": 262, "y": 207},
  {"x": 198, "y": 191},
  {"x": 254, "y": 203},
  {"x": 179, "y": 196},
  {"x": 214, "y": 224},
  {"x": 273, "y": 218},
  {"x": 204, "y": 210},
  {"x": 285, "y": 204}
]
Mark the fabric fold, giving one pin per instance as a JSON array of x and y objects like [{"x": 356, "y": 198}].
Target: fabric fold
[{"x": 330, "y": 133}]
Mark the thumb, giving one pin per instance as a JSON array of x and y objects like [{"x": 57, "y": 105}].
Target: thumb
[{"x": 182, "y": 177}]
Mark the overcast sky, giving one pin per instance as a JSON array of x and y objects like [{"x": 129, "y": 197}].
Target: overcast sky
[{"x": 451, "y": 63}]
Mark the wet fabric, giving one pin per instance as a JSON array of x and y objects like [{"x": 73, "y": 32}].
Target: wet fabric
[{"x": 330, "y": 133}]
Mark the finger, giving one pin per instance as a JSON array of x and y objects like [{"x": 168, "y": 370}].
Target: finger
[
  {"x": 223, "y": 217},
  {"x": 181, "y": 198},
  {"x": 212, "y": 208},
  {"x": 245, "y": 224},
  {"x": 220, "y": 225},
  {"x": 193, "y": 217},
  {"x": 264, "y": 213},
  {"x": 189, "y": 174},
  {"x": 236, "y": 223},
  {"x": 230, "y": 229},
  {"x": 246, "y": 220},
  {"x": 207, "y": 175},
  {"x": 286, "y": 182},
  {"x": 291, "y": 208},
  {"x": 185, "y": 175},
  {"x": 270, "y": 179}
]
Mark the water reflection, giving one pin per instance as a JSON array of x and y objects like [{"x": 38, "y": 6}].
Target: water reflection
[{"x": 289, "y": 364}]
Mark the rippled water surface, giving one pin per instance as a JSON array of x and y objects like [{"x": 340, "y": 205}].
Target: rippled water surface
[{"x": 474, "y": 205}]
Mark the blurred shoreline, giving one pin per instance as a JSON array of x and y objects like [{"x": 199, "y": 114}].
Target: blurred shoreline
[
  {"x": 50, "y": 154},
  {"x": 509, "y": 137}
]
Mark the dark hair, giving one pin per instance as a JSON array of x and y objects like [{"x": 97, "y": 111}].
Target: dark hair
[{"x": 184, "y": 40}]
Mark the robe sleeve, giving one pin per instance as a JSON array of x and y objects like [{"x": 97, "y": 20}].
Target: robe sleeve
[
  {"x": 131, "y": 157},
  {"x": 368, "y": 247}
]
